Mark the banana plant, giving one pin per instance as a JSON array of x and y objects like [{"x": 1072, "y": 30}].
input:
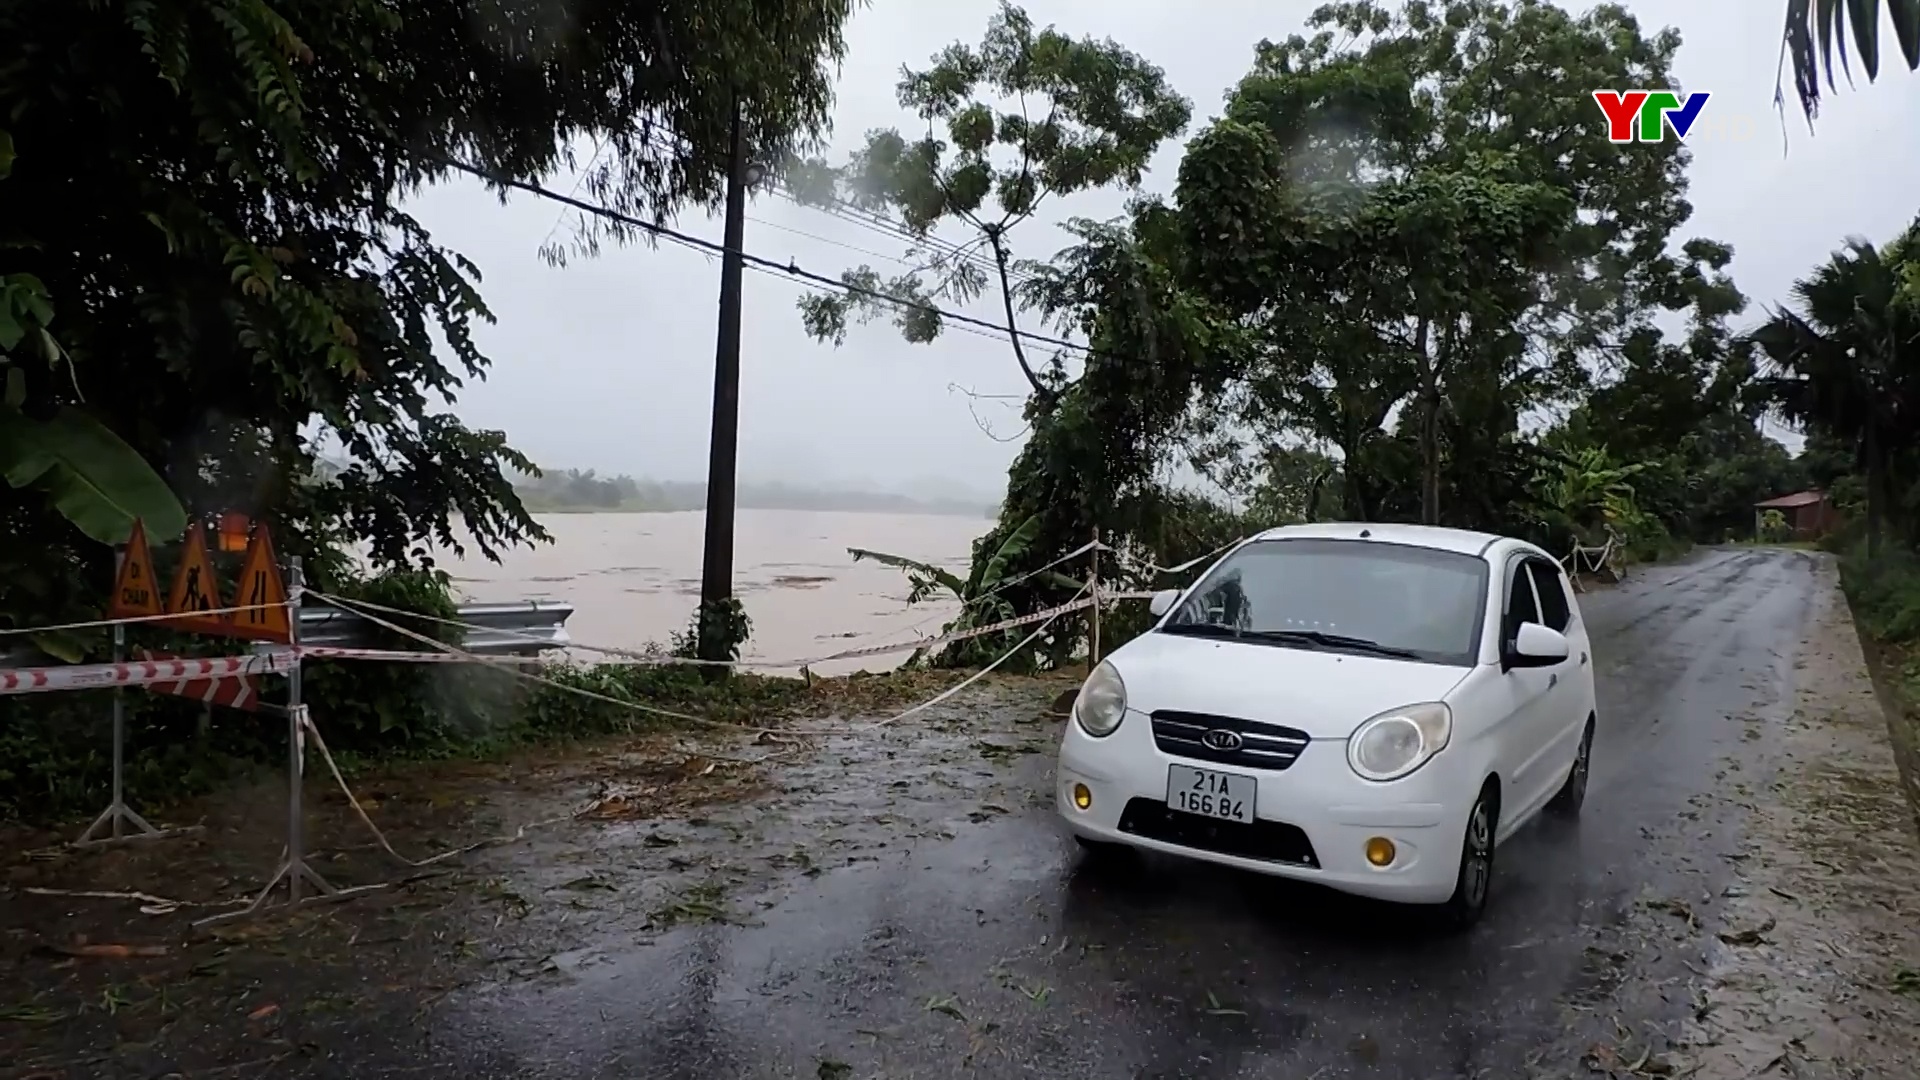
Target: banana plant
[
  {"x": 89, "y": 474},
  {"x": 1592, "y": 490},
  {"x": 981, "y": 593}
]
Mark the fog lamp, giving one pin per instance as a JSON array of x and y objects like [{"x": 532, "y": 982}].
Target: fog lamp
[
  {"x": 1082, "y": 797},
  {"x": 1380, "y": 851}
]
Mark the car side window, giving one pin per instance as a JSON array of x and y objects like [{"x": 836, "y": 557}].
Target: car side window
[
  {"x": 1551, "y": 593},
  {"x": 1521, "y": 607}
]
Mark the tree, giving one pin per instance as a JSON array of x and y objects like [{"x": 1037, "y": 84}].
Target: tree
[
  {"x": 1406, "y": 201},
  {"x": 1827, "y": 22},
  {"x": 1022, "y": 117},
  {"x": 1849, "y": 364},
  {"x": 235, "y": 279}
]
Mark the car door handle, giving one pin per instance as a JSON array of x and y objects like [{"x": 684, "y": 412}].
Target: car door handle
[{"x": 1553, "y": 680}]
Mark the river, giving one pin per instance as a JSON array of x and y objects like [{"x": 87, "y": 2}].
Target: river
[{"x": 634, "y": 579}]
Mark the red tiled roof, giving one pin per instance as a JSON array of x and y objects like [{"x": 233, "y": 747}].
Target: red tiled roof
[{"x": 1787, "y": 502}]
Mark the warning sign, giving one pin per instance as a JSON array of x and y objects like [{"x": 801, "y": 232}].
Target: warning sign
[
  {"x": 262, "y": 597},
  {"x": 136, "y": 592},
  {"x": 195, "y": 589}
]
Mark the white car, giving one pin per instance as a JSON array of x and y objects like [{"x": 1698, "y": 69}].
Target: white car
[{"x": 1370, "y": 707}]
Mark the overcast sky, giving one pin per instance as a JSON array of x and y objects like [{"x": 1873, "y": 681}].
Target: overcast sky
[{"x": 608, "y": 363}]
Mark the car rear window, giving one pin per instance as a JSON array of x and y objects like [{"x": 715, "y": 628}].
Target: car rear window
[{"x": 1428, "y": 602}]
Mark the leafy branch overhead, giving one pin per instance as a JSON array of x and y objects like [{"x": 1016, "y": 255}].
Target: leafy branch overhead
[
  {"x": 1816, "y": 37},
  {"x": 239, "y": 284},
  {"x": 1022, "y": 117}
]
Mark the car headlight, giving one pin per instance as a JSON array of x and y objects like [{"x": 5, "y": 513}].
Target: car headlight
[
  {"x": 1102, "y": 703},
  {"x": 1398, "y": 741}
]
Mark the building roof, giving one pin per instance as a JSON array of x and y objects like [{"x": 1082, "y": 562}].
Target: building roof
[{"x": 1788, "y": 502}]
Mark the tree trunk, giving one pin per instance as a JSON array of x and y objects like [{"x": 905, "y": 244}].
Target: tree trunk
[
  {"x": 1358, "y": 485},
  {"x": 1013, "y": 332},
  {"x": 1429, "y": 429}
]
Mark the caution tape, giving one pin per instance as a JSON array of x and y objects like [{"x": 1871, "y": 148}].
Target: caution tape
[
  {"x": 958, "y": 635},
  {"x": 149, "y": 672},
  {"x": 143, "y": 672}
]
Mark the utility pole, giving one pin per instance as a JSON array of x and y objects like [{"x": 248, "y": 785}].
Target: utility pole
[{"x": 716, "y": 569}]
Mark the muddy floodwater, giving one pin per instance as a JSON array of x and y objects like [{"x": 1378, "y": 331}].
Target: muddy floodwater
[{"x": 634, "y": 579}]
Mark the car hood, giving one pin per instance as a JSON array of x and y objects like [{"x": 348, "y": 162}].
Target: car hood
[{"x": 1323, "y": 693}]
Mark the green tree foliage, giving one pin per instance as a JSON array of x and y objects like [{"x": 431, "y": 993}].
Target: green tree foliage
[
  {"x": 1849, "y": 367},
  {"x": 1401, "y": 252},
  {"x": 1023, "y": 117},
  {"x": 236, "y": 280},
  {"x": 1373, "y": 160},
  {"x": 209, "y": 273}
]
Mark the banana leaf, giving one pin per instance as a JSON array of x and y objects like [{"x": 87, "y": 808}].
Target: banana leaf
[
  {"x": 923, "y": 575},
  {"x": 93, "y": 478},
  {"x": 1014, "y": 546}
]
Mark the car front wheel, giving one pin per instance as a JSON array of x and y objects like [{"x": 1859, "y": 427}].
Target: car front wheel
[{"x": 1475, "y": 878}]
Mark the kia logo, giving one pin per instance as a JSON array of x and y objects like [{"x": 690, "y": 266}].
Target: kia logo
[{"x": 1221, "y": 739}]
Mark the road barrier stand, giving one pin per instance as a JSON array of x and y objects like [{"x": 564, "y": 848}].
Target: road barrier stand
[
  {"x": 294, "y": 868},
  {"x": 1592, "y": 560},
  {"x": 118, "y": 815}
]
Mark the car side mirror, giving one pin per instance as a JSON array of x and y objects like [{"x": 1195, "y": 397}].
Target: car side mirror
[
  {"x": 1538, "y": 646},
  {"x": 1162, "y": 602}
]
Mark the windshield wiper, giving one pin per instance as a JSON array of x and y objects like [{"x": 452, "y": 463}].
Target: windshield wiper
[
  {"x": 1293, "y": 637},
  {"x": 1204, "y": 629},
  {"x": 1337, "y": 641}
]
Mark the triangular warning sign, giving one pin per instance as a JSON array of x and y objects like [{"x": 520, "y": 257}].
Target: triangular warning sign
[
  {"x": 195, "y": 589},
  {"x": 262, "y": 598},
  {"x": 136, "y": 592}
]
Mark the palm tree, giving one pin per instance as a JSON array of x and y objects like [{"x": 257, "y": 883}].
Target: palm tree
[
  {"x": 1815, "y": 27},
  {"x": 1849, "y": 361}
]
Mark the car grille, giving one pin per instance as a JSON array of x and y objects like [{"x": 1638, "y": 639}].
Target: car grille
[
  {"x": 1262, "y": 746},
  {"x": 1267, "y": 841}
]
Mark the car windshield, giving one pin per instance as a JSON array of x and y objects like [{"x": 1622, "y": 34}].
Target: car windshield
[{"x": 1359, "y": 596}]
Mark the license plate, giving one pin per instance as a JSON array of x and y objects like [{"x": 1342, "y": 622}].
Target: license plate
[{"x": 1224, "y": 796}]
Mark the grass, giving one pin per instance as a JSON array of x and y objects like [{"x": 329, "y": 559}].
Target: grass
[
  {"x": 53, "y": 749},
  {"x": 1884, "y": 593}
]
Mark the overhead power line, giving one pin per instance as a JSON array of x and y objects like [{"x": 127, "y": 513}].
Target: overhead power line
[
  {"x": 872, "y": 220},
  {"x": 790, "y": 268}
]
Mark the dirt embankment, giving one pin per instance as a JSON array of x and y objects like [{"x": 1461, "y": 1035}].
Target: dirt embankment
[{"x": 1815, "y": 972}]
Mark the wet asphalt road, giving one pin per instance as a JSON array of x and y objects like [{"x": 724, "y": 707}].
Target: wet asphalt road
[{"x": 994, "y": 953}]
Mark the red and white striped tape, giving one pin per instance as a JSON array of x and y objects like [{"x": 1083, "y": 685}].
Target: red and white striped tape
[
  {"x": 142, "y": 672},
  {"x": 232, "y": 691},
  {"x": 217, "y": 678}
]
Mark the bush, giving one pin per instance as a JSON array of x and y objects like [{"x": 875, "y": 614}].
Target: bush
[
  {"x": 1774, "y": 528},
  {"x": 1885, "y": 593}
]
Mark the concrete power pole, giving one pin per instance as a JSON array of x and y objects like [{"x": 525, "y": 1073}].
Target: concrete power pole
[{"x": 716, "y": 571}]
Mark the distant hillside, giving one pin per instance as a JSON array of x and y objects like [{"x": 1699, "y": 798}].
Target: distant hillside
[{"x": 577, "y": 491}]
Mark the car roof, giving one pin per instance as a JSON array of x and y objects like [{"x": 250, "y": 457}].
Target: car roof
[{"x": 1464, "y": 541}]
